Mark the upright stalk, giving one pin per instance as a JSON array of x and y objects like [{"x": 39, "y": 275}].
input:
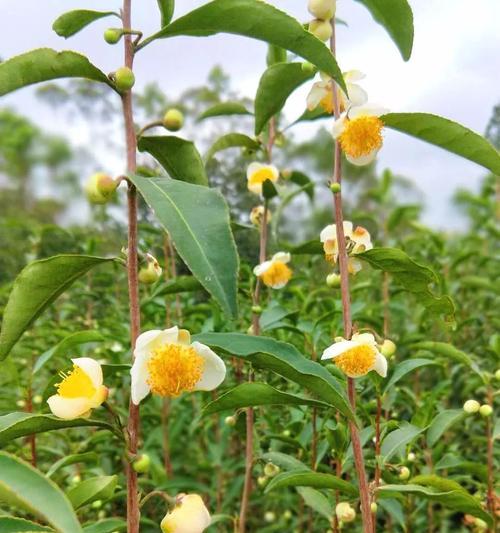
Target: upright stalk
[
  {"x": 132, "y": 267},
  {"x": 346, "y": 313},
  {"x": 491, "y": 498}
]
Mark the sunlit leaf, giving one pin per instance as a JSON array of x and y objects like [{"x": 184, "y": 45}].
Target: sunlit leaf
[
  {"x": 224, "y": 109},
  {"x": 73, "y": 21},
  {"x": 312, "y": 479}
]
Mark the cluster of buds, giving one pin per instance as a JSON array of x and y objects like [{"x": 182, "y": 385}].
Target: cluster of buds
[
  {"x": 473, "y": 406},
  {"x": 323, "y": 11},
  {"x": 270, "y": 470}
]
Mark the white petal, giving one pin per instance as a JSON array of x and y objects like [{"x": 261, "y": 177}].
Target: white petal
[
  {"x": 252, "y": 168},
  {"x": 275, "y": 173},
  {"x": 263, "y": 267},
  {"x": 338, "y": 126},
  {"x": 357, "y": 95},
  {"x": 353, "y": 75},
  {"x": 362, "y": 160},
  {"x": 354, "y": 265},
  {"x": 283, "y": 257},
  {"x": 380, "y": 365},
  {"x": 329, "y": 233},
  {"x": 364, "y": 338},
  {"x": 92, "y": 368},
  {"x": 315, "y": 96},
  {"x": 367, "y": 109},
  {"x": 190, "y": 516},
  {"x": 139, "y": 374},
  {"x": 68, "y": 408},
  {"x": 338, "y": 348},
  {"x": 279, "y": 285},
  {"x": 144, "y": 339},
  {"x": 150, "y": 340},
  {"x": 347, "y": 225},
  {"x": 256, "y": 188},
  {"x": 325, "y": 77},
  {"x": 361, "y": 236},
  {"x": 214, "y": 370}
]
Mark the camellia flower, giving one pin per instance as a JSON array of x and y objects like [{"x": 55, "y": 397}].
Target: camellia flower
[
  {"x": 257, "y": 215},
  {"x": 321, "y": 93},
  {"x": 275, "y": 272},
  {"x": 357, "y": 241},
  {"x": 258, "y": 173},
  {"x": 359, "y": 132},
  {"x": 345, "y": 512},
  {"x": 80, "y": 390},
  {"x": 167, "y": 363},
  {"x": 189, "y": 515},
  {"x": 358, "y": 356}
]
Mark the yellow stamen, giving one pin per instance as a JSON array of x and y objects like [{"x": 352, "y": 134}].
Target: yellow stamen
[
  {"x": 357, "y": 361},
  {"x": 277, "y": 274},
  {"x": 331, "y": 258},
  {"x": 76, "y": 384},
  {"x": 174, "y": 369},
  {"x": 261, "y": 175},
  {"x": 361, "y": 135}
]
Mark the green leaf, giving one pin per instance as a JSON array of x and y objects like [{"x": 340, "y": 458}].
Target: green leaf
[
  {"x": 258, "y": 20},
  {"x": 448, "y": 135},
  {"x": 412, "y": 276},
  {"x": 73, "y": 21},
  {"x": 35, "y": 288},
  {"x": 87, "y": 457},
  {"x": 284, "y": 461},
  {"x": 9, "y": 524},
  {"x": 313, "y": 247},
  {"x": 108, "y": 525},
  {"x": 397, "y": 18},
  {"x": 317, "y": 501},
  {"x": 20, "y": 424},
  {"x": 231, "y": 140},
  {"x": 197, "y": 219},
  {"x": 177, "y": 285},
  {"x": 398, "y": 438},
  {"x": 45, "y": 64},
  {"x": 92, "y": 489},
  {"x": 446, "y": 350},
  {"x": 255, "y": 394},
  {"x": 442, "y": 422},
  {"x": 224, "y": 109},
  {"x": 23, "y": 486},
  {"x": 316, "y": 114},
  {"x": 404, "y": 368},
  {"x": 275, "y": 86},
  {"x": 178, "y": 157},
  {"x": 312, "y": 479},
  {"x": 166, "y": 8},
  {"x": 283, "y": 359},
  {"x": 69, "y": 342},
  {"x": 306, "y": 184},
  {"x": 458, "y": 500}
]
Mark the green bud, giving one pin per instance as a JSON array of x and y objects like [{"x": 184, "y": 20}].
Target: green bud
[
  {"x": 322, "y": 9},
  {"x": 286, "y": 433},
  {"x": 97, "y": 504},
  {"x": 269, "y": 517},
  {"x": 322, "y": 29},
  {"x": 287, "y": 515},
  {"x": 142, "y": 464},
  {"x": 113, "y": 35},
  {"x": 388, "y": 348},
  {"x": 100, "y": 188},
  {"x": 333, "y": 280},
  {"x": 152, "y": 272},
  {"x": 271, "y": 470},
  {"x": 37, "y": 399},
  {"x": 257, "y": 309},
  {"x": 373, "y": 507},
  {"x": 335, "y": 187},
  {"x": 307, "y": 68},
  {"x": 230, "y": 421},
  {"x": 124, "y": 79},
  {"x": 485, "y": 410},
  {"x": 404, "y": 473},
  {"x": 497, "y": 374},
  {"x": 75, "y": 480},
  {"x": 262, "y": 481},
  {"x": 471, "y": 406},
  {"x": 173, "y": 120}
]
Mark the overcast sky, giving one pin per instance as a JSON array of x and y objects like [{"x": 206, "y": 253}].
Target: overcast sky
[{"x": 454, "y": 71}]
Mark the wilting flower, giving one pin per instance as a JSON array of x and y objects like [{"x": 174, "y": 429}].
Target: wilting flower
[
  {"x": 80, "y": 390},
  {"x": 167, "y": 363},
  {"x": 357, "y": 241},
  {"x": 321, "y": 93},
  {"x": 189, "y": 515},
  {"x": 258, "y": 173},
  {"x": 345, "y": 512},
  {"x": 257, "y": 215},
  {"x": 275, "y": 273},
  {"x": 359, "y": 132},
  {"x": 152, "y": 272},
  {"x": 358, "y": 356}
]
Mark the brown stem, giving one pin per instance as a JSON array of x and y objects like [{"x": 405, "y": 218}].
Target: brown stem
[
  {"x": 346, "y": 313},
  {"x": 133, "y": 514},
  {"x": 490, "y": 465}
]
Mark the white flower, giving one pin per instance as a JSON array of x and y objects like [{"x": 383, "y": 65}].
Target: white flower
[
  {"x": 359, "y": 132},
  {"x": 358, "y": 356},
  {"x": 258, "y": 173},
  {"x": 275, "y": 273},
  {"x": 168, "y": 364},
  {"x": 80, "y": 391},
  {"x": 190, "y": 515}
]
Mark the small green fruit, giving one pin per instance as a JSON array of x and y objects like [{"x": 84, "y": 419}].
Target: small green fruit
[
  {"x": 230, "y": 421},
  {"x": 173, "y": 120},
  {"x": 333, "y": 280},
  {"x": 113, "y": 35},
  {"x": 142, "y": 464},
  {"x": 124, "y": 79},
  {"x": 335, "y": 187},
  {"x": 404, "y": 473},
  {"x": 485, "y": 410},
  {"x": 411, "y": 457},
  {"x": 150, "y": 273},
  {"x": 322, "y": 29}
]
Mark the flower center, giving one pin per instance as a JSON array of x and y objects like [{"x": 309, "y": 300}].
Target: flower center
[
  {"x": 76, "y": 384},
  {"x": 278, "y": 274},
  {"x": 356, "y": 361},
  {"x": 174, "y": 369},
  {"x": 361, "y": 135},
  {"x": 260, "y": 176}
]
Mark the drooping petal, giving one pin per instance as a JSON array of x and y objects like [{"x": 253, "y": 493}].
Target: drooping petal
[
  {"x": 380, "y": 365},
  {"x": 139, "y": 374},
  {"x": 214, "y": 370},
  {"x": 354, "y": 265},
  {"x": 316, "y": 94},
  {"x": 353, "y": 76},
  {"x": 347, "y": 225},
  {"x": 189, "y": 516},
  {"x": 337, "y": 348},
  {"x": 338, "y": 126},
  {"x": 263, "y": 267},
  {"x": 364, "y": 338},
  {"x": 363, "y": 159},
  {"x": 92, "y": 368},
  {"x": 367, "y": 109},
  {"x": 69, "y": 408},
  {"x": 328, "y": 233},
  {"x": 100, "y": 396},
  {"x": 357, "y": 95},
  {"x": 283, "y": 257}
]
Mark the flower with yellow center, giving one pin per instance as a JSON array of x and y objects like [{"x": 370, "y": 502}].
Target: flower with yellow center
[
  {"x": 359, "y": 132},
  {"x": 275, "y": 273},
  {"x": 257, "y": 215},
  {"x": 79, "y": 391},
  {"x": 357, "y": 240},
  {"x": 258, "y": 173},
  {"x": 167, "y": 363},
  {"x": 321, "y": 93},
  {"x": 358, "y": 356},
  {"x": 189, "y": 515}
]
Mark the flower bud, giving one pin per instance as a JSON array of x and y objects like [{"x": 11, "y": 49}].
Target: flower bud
[
  {"x": 497, "y": 374},
  {"x": 230, "y": 421},
  {"x": 373, "y": 507},
  {"x": 97, "y": 504},
  {"x": 333, "y": 280},
  {"x": 287, "y": 515},
  {"x": 286, "y": 173},
  {"x": 411, "y": 457},
  {"x": 321, "y": 29},
  {"x": 113, "y": 35},
  {"x": 388, "y": 348},
  {"x": 37, "y": 399},
  {"x": 471, "y": 406},
  {"x": 100, "y": 188},
  {"x": 250, "y": 330},
  {"x": 173, "y": 120},
  {"x": 257, "y": 309},
  {"x": 271, "y": 470},
  {"x": 322, "y": 9},
  {"x": 269, "y": 517},
  {"x": 485, "y": 410},
  {"x": 480, "y": 524},
  {"x": 124, "y": 79},
  {"x": 262, "y": 481},
  {"x": 75, "y": 480},
  {"x": 142, "y": 464},
  {"x": 335, "y": 187},
  {"x": 345, "y": 512},
  {"x": 101, "y": 514},
  {"x": 307, "y": 68},
  {"x": 404, "y": 473},
  {"x": 21, "y": 404},
  {"x": 286, "y": 433},
  {"x": 152, "y": 272}
]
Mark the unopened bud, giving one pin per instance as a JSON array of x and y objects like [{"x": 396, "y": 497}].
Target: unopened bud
[
  {"x": 497, "y": 374},
  {"x": 471, "y": 406},
  {"x": 322, "y": 29},
  {"x": 345, "y": 512},
  {"x": 142, "y": 464},
  {"x": 373, "y": 507},
  {"x": 75, "y": 480},
  {"x": 287, "y": 515},
  {"x": 230, "y": 421},
  {"x": 411, "y": 457},
  {"x": 152, "y": 272},
  {"x": 21, "y": 404},
  {"x": 333, "y": 280},
  {"x": 335, "y": 187},
  {"x": 286, "y": 173},
  {"x": 173, "y": 120},
  {"x": 269, "y": 517},
  {"x": 124, "y": 79},
  {"x": 404, "y": 473},
  {"x": 485, "y": 410},
  {"x": 262, "y": 481},
  {"x": 307, "y": 68},
  {"x": 322, "y": 9},
  {"x": 271, "y": 470},
  {"x": 97, "y": 504},
  {"x": 480, "y": 524},
  {"x": 100, "y": 188},
  {"x": 113, "y": 35},
  {"x": 286, "y": 433},
  {"x": 37, "y": 399},
  {"x": 388, "y": 348},
  {"x": 250, "y": 330}
]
